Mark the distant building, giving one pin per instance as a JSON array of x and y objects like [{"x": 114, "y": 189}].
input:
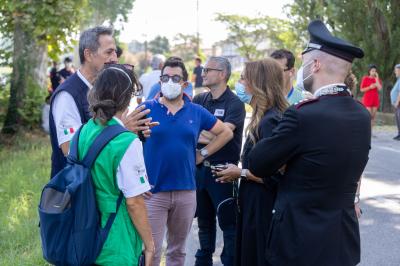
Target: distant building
[{"x": 229, "y": 50}]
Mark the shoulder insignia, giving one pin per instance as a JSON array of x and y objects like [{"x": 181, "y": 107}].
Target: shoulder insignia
[{"x": 304, "y": 102}]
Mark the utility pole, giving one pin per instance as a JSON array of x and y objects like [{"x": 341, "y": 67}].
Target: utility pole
[{"x": 197, "y": 26}]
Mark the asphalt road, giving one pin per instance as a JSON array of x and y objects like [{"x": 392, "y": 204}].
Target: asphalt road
[{"x": 380, "y": 201}]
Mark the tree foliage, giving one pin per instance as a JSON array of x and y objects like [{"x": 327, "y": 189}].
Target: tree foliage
[
  {"x": 35, "y": 29},
  {"x": 48, "y": 22},
  {"x": 185, "y": 46},
  {"x": 255, "y": 37},
  {"x": 159, "y": 45},
  {"x": 109, "y": 11},
  {"x": 371, "y": 24}
]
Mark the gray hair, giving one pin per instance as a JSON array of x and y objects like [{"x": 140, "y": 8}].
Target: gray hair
[
  {"x": 90, "y": 40},
  {"x": 397, "y": 66},
  {"x": 224, "y": 64},
  {"x": 156, "y": 61}
]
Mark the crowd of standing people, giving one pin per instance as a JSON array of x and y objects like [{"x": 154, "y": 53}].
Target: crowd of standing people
[{"x": 289, "y": 197}]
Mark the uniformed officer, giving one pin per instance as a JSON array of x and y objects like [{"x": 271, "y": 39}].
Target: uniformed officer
[{"x": 324, "y": 143}]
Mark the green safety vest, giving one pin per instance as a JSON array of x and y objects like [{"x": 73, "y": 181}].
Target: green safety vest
[{"x": 123, "y": 245}]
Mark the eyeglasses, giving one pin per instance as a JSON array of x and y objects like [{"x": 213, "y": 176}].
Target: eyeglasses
[
  {"x": 127, "y": 66},
  {"x": 174, "y": 78},
  {"x": 207, "y": 69}
]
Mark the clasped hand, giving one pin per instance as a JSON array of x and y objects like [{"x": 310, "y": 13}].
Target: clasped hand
[
  {"x": 230, "y": 174},
  {"x": 136, "y": 121}
]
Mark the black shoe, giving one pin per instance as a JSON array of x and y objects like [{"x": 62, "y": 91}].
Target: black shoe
[{"x": 397, "y": 137}]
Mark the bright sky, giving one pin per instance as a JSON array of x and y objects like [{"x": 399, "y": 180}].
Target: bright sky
[{"x": 150, "y": 18}]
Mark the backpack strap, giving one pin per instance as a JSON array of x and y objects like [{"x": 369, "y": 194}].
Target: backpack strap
[
  {"x": 100, "y": 142},
  {"x": 112, "y": 216}
]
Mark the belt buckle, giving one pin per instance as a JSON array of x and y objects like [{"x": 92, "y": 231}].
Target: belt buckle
[{"x": 206, "y": 164}]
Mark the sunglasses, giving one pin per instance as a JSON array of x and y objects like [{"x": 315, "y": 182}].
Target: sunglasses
[
  {"x": 207, "y": 69},
  {"x": 174, "y": 78},
  {"x": 127, "y": 66}
]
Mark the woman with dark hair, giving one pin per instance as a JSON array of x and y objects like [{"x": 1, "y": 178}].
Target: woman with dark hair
[
  {"x": 370, "y": 85},
  {"x": 118, "y": 168},
  {"x": 261, "y": 84}
]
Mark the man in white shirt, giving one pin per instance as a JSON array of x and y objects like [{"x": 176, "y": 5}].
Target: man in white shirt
[
  {"x": 147, "y": 80},
  {"x": 69, "y": 105}
]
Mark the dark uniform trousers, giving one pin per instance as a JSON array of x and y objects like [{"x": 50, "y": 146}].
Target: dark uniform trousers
[{"x": 210, "y": 195}]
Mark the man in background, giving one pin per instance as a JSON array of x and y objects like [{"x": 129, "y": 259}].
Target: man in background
[
  {"x": 67, "y": 71},
  {"x": 197, "y": 78},
  {"x": 149, "y": 79},
  {"x": 227, "y": 107},
  {"x": 286, "y": 59}
]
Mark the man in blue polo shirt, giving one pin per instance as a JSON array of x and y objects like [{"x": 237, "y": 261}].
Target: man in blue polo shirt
[
  {"x": 286, "y": 59},
  {"x": 226, "y": 106},
  {"x": 170, "y": 156}
]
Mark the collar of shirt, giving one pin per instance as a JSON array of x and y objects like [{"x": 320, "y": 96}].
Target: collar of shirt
[
  {"x": 290, "y": 93},
  {"x": 328, "y": 86},
  {"x": 223, "y": 95},
  {"x": 84, "y": 79},
  {"x": 186, "y": 99},
  {"x": 119, "y": 121}
]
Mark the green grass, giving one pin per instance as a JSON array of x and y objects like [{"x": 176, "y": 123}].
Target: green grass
[{"x": 24, "y": 169}]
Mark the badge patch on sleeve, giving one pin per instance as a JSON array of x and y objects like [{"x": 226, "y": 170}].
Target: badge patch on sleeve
[
  {"x": 69, "y": 131},
  {"x": 142, "y": 181},
  {"x": 219, "y": 112}
]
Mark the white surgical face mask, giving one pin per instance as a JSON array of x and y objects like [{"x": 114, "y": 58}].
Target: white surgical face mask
[
  {"x": 300, "y": 76},
  {"x": 171, "y": 90}
]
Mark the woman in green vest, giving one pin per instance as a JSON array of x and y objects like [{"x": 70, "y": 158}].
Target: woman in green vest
[{"x": 119, "y": 167}]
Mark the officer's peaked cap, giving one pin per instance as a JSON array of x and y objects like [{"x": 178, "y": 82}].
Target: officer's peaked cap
[{"x": 321, "y": 39}]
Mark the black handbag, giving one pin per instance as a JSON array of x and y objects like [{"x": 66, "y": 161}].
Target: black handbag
[
  {"x": 227, "y": 209},
  {"x": 142, "y": 259}
]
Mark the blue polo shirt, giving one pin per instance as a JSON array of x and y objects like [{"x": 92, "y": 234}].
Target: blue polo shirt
[{"x": 170, "y": 152}]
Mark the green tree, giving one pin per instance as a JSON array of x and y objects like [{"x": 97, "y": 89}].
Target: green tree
[
  {"x": 255, "y": 37},
  {"x": 159, "y": 45},
  {"x": 110, "y": 11},
  {"x": 38, "y": 29},
  {"x": 33, "y": 26},
  {"x": 185, "y": 47},
  {"x": 371, "y": 24}
]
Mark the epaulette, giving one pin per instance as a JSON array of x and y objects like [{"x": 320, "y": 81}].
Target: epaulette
[{"x": 304, "y": 102}]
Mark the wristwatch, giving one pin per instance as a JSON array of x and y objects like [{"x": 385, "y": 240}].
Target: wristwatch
[
  {"x": 357, "y": 199},
  {"x": 204, "y": 153},
  {"x": 243, "y": 174}
]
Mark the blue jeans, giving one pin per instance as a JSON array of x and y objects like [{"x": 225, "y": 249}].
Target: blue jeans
[{"x": 209, "y": 195}]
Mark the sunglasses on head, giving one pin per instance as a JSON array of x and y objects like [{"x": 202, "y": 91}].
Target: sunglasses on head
[
  {"x": 174, "y": 78},
  {"x": 126, "y": 66}
]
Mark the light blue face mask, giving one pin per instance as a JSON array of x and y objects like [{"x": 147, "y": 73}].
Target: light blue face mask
[{"x": 241, "y": 92}]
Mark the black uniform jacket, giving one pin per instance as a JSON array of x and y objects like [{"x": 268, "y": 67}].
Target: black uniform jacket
[{"x": 325, "y": 144}]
